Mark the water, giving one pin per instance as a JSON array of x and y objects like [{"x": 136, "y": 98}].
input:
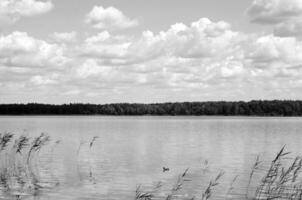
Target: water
[{"x": 131, "y": 151}]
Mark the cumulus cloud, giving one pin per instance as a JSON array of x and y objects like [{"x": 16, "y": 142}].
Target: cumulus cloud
[
  {"x": 204, "y": 54},
  {"x": 271, "y": 48},
  {"x": 201, "y": 39},
  {"x": 231, "y": 68},
  {"x": 181, "y": 58},
  {"x": 31, "y": 65},
  {"x": 289, "y": 28},
  {"x": 200, "y": 60},
  {"x": 13, "y": 10},
  {"x": 274, "y": 11},
  {"x": 91, "y": 68},
  {"x": 105, "y": 46},
  {"x": 274, "y": 63},
  {"x": 285, "y": 16},
  {"x": 65, "y": 37},
  {"x": 44, "y": 80},
  {"x": 109, "y": 19},
  {"x": 18, "y": 49}
]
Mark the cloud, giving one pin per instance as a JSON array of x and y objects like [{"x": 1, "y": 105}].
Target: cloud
[
  {"x": 91, "y": 68},
  {"x": 289, "y": 28},
  {"x": 181, "y": 58},
  {"x": 272, "y": 49},
  {"x": 105, "y": 46},
  {"x": 13, "y": 10},
  {"x": 31, "y": 66},
  {"x": 231, "y": 68},
  {"x": 109, "y": 19},
  {"x": 201, "y": 60},
  {"x": 285, "y": 16},
  {"x": 202, "y": 39},
  {"x": 44, "y": 80},
  {"x": 18, "y": 49},
  {"x": 65, "y": 37},
  {"x": 209, "y": 50},
  {"x": 274, "y": 11}
]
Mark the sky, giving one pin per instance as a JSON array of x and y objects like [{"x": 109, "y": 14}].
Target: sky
[{"x": 112, "y": 51}]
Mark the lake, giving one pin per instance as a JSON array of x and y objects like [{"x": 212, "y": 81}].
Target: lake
[{"x": 130, "y": 152}]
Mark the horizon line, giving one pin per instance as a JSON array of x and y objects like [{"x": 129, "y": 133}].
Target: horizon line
[{"x": 166, "y": 102}]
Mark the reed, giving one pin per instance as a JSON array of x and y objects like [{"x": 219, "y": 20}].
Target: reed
[
  {"x": 254, "y": 168},
  {"x": 5, "y": 139},
  {"x": 231, "y": 188},
  {"x": 140, "y": 195},
  {"x": 92, "y": 141},
  {"x": 209, "y": 190},
  {"x": 37, "y": 144},
  {"x": 21, "y": 143},
  {"x": 16, "y": 172},
  {"x": 178, "y": 185},
  {"x": 149, "y": 195},
  {"x": 281, "y": 182}
]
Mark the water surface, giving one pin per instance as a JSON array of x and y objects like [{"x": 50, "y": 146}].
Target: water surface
[{"x": 131, "y": 151}]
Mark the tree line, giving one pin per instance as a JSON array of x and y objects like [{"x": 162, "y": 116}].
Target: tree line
[{"x": 224, "y": 108}]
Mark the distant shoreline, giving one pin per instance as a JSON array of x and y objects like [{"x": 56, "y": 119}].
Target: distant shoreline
[
  {"x": 255, "y": 108},
  {"x": 151, "y": 116}
]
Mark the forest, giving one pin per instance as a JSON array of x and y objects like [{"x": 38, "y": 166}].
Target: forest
[{"x": 223, "y": 108}]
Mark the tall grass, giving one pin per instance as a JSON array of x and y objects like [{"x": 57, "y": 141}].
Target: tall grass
[
  {"x": 254, "y": 168},
  {"x": 178, "y": 185},
  {"x": 281, "y": 182},
  {"x": 140, "y": 195},
  {"x": 89, "y": 159},
  {"x": 231, "y": 187},
  {"x": 209, "y": 190}
]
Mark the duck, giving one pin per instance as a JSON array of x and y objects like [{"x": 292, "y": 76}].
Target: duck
[{"x": 165, "y": 169}]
